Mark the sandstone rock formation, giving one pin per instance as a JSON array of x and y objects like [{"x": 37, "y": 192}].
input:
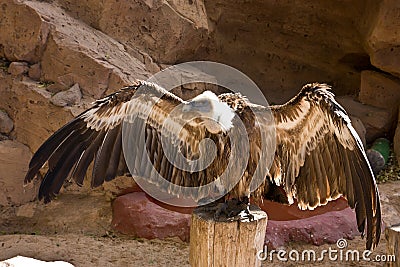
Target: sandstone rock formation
[
  {"x": 377, "y": 121},
  {"x": 18, "y": 68},
  {"x": 380, "y": 90},
  {"x": 14, "y": 158},
  {"x": 23, "y": 36},
  {"x": 383, "y": 38},
  {"x": 168, "y": 31},
  {"x": 35, "y": 118},
  {"x": 69, "y": 51},
  {"x": 35, "y": 72},
  {"x": 6, "y": 123},
  {"x": 70, "y": 97}
]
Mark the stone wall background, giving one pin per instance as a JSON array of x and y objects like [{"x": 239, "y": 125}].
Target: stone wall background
[{"x": 58, "y": 56}]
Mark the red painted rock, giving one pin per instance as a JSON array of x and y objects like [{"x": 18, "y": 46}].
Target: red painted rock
[
  {"x": 135, "y": 214},
  {"x": 324, "y": 224},
  {"x": 317, "y": 230},
  {"x": 140, "y": 215}
]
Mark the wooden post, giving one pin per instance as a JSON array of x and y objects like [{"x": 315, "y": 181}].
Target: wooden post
[
  {"x": 232, "y": 243},
  {"x": 393, "y": 244}
]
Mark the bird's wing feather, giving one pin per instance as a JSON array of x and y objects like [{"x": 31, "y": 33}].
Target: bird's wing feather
[
  {"x": 96, "y": 136},
  {"x": 320, "y": 157}
]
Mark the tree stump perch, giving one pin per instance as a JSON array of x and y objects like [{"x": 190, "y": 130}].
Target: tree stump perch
[
  {"x": 228, "y": 243},
  {"x": 392, "y": 235}
]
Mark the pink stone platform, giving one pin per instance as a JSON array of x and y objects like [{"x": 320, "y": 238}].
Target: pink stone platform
[{"x": 139, "y": 215}]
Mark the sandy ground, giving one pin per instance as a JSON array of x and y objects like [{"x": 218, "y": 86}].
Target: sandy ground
[
  {"x": 75, "y": 228},
  {"x": 82, "y": 250}
]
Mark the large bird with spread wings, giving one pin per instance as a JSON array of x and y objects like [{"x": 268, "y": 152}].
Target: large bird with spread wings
[{"x": 317, "y": 154}]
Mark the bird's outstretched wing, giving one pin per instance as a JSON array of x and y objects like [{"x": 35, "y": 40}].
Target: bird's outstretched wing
[
  {"x": 320, "y": 157},
  {"x": 96, "y": 135}
]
